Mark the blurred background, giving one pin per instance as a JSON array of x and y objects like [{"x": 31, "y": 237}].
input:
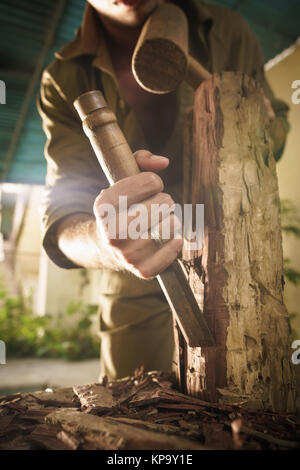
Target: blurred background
[{"x": 48, "y": 315}]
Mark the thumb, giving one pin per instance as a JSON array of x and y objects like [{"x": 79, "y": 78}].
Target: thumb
[{"x": 149, "y": 162}]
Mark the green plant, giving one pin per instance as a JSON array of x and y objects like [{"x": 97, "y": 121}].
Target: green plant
[
  {"x": 290, "y": 220},
  {"x": 68, "y": 335}
]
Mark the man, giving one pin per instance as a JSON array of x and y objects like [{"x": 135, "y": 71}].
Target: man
[{"x": 135, "y": 320}]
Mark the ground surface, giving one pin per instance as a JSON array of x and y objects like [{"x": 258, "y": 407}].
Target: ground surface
[
  {"x": 32, "y": 374},
  {"x": 141, "y": 412}
]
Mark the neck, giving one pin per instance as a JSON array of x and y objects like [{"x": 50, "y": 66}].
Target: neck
[{"x": 122, "y": 39}]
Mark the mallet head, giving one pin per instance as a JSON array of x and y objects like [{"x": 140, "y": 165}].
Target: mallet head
[{"x": 160, "y": 59}]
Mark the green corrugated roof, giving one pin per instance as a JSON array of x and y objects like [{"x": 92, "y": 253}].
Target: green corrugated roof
[
  {"x": 24, "y": 28},
  {"x": 23, "y": 31}
]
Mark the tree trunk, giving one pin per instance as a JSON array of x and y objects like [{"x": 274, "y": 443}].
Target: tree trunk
[{"x": 238, "y": 275}]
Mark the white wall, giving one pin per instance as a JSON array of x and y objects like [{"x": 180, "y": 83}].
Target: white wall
[{"x": 281, "y": 77}]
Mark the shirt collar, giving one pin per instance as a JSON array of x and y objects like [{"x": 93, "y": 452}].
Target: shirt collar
[
  {"x": 203, "y": 12},
  {"x": 87, "y": 39},
  {"x": 204, "y": 20}
]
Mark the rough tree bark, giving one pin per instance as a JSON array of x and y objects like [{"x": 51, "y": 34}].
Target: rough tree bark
[{"x": 238, "y": 275}]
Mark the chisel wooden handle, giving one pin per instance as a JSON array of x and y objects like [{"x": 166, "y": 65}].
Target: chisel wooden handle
[
  {"x": 118, "y": 162},
  {"x": 108, "y": 141}
]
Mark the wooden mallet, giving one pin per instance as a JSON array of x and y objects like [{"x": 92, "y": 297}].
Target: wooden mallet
[{"x": 161, "y": 60}]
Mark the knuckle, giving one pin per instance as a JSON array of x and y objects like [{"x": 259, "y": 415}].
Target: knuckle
[
  {"x": 145, "y": 273},
  {"x": 141, "y": 153},
  {"x": 102, "y": 196},
  {"x": 168, "y": 199},
  {"x": 99, "y": 213},
  {"x": 101, "y": 199},
  {"x": 155, "y": 181}
]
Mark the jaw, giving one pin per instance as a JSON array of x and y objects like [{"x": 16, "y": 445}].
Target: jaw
[{"x": 127, "y": 13}]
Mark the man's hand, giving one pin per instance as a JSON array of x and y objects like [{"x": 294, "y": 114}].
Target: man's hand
[
  {"x": 87, "y": 241},
  {"x": 141, "y": 256}
]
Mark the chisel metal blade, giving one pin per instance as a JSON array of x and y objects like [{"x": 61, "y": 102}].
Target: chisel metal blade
[{"x": 184, "y": 306}]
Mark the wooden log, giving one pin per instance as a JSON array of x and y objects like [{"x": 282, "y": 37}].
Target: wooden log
[
  {"x": 237, "y": 276},
  {"x": 95, "y": 398},
  {"x": 114, "y": 434}
]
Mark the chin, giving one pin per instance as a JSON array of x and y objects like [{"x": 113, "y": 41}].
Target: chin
[{"x": 134, "y": 17}]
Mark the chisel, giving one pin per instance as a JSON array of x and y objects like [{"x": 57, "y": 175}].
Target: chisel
[{"x": 117, "y": 162}]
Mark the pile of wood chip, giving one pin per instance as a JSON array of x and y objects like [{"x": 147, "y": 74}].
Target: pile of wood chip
[{"x": 141, "y": 412}]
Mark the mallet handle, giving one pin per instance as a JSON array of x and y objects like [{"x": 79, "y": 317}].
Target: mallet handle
[{"x": 196, "y": 73}]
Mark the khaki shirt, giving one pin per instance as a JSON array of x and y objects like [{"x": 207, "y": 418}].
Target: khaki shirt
[{"x": 221, "y": 40}]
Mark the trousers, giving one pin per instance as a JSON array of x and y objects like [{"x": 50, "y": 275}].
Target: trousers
[{"x": 135, "y": 325}]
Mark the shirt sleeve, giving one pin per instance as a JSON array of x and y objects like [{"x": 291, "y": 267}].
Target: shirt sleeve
[
  {"x": 246, "y": 55},
  {"x": 74, "y": 176}
]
